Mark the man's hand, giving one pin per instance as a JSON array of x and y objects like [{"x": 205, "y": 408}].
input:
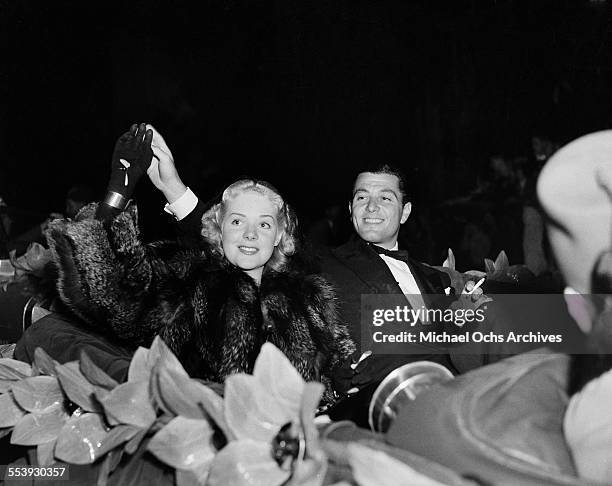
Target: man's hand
[
  {"x": 162, "y": 171},
  {"x": 472, "y": 297},
  {"x": 131, "y": 159}
]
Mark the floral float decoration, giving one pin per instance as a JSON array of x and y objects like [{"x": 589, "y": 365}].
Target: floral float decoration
[
  {"x": 499, "y": 270},
  {"x": 260, "y": 432}
]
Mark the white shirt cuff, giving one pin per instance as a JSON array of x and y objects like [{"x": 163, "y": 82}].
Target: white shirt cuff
[{"x": 183, "y": 205}]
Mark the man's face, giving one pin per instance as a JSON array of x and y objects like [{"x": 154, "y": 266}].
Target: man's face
[{"x": 377, "y": 209}]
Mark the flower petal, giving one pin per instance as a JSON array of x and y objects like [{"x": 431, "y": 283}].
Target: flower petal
[
  {"x": 37, "y": 428},
  {"x": 184, "y": 443},
  {"x": 246, "y": 463},
  {"x": 11, "y": 369},
  {"x": 76, "y": 386},
  {"x": 116, "y": 436},
  {"x": 161, "y": 353},
  {"x": 80, "y": 439},
  {"x": 309, "y": 473},
  {"x": 189, "y": 398},
  {"x": 94, "y": 374},
  {"x": 10, "y": 412},
  {"x": 278, "y": 376},
  {"x": 129, "y": 403},
  {"x": 250, "y": 412},
  {"x": 310, "y": 401},
  {"x": 44, "y": 453},
  {"x": 37, "y": 393},
  {"x": 43, "y": 362},
  {"x": 140, "y": 369},
  {"x": 375, "y": 468}
]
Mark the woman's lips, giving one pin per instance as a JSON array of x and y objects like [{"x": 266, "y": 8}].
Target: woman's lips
[{"x": 248, "y": 250}]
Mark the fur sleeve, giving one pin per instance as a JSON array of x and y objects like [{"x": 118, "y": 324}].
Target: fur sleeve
[
  {"x": 106, "y": 278},
  {"x": 330, "y": 334}
]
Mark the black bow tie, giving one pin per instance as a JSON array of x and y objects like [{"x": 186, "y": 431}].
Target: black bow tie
[{"x": 401, "y": 255}]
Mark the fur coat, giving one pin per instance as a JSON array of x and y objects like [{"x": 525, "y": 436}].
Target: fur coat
[{"x": 210, "y": 313}]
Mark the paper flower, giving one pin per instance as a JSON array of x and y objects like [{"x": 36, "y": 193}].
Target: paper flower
[{"x": 265, "y": 422}]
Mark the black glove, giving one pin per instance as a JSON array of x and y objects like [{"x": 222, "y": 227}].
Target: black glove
[{"x": 131, "y": 159}]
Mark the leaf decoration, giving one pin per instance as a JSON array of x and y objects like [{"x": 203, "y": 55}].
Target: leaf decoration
[
  {"x": 116, "y": 436},
  {"x": 11, "y": 369},
  {"x": 140, "y": 369},
  {"x": 180, "y": 394},
  {"x": 44, "y": 453},
  {"x": 10, "y": 412},
  {"x": 184, "y": 443},
  {"x": 246, "y": 462},
  {"x": 129, "y": 403},
  {"x": 76, "y": 386},
  {"x": 450, "y": 261},
  {"x": 280, "y": 380},
  {"x": 135, "y": 441},
  {"x": 191, "y": 399},
  {"x": 43, "y": 362},
  {"x": 501, "y": 262},
  {"x": 183, "y": 477},
  {"x": 80, "y": 439},
  {"x": 37, "y": 393},
  {"x": 309, "y": 404},
  {"x": 309, "y": 473},
  {"x": 110, "y": 463},
  {"x": 213, "y": 405},
  {"x": 489, "y": 266},
  {"x": 105, "y": 470},
  {"x": 250, "y": 411},
  {"x": 5, "y": 385},
  {"x": 375, "y": 468},
  {"x": 161, "y": 353},
  {"x": 94, "y": 374},
  {"x": 155, "y": 392},
  {"x": 38, "y": 428}
]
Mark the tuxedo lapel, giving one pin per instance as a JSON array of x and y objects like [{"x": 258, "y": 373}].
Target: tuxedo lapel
[
  {"x": 429, "y": 280},
  {"x": 373, "y": 271},
  {"x": 367, "y": 265}
]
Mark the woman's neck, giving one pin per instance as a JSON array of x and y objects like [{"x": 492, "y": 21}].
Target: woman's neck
[{"x": 255, "y": 274}]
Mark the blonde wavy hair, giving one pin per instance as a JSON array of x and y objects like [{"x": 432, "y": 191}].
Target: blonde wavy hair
[{"x": 286, "y": 219}]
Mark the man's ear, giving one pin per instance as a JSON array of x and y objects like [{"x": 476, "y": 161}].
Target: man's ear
[
  {"x": 350, "y": 208},
  {"x": 406, "y": 212}
]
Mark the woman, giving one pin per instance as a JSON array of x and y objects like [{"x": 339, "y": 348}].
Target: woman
[{"x": 214, "y": 306}]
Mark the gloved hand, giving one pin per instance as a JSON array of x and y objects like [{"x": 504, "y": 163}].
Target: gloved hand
[{"x": 131, "y": 159}]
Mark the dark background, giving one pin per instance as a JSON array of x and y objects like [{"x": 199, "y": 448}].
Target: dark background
[{"x": 298, "y": 92}]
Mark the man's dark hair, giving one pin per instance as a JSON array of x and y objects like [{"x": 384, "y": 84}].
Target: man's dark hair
[{"x": 386, "y": 169}]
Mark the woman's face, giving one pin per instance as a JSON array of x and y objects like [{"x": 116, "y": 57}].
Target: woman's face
[{"x": 249, "y": 232}]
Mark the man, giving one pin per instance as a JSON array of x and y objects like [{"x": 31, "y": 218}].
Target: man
[
  {"x": 515, "y": 422},
  {"x": 371, "y": 263}
]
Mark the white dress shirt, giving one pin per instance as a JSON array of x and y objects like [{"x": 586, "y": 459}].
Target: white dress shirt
[
  {"x": 404, "y": 278},
  {"x": 183, "y": 205}
]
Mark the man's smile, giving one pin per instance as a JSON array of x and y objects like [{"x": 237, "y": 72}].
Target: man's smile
[{"x": 373, "y": 220}]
